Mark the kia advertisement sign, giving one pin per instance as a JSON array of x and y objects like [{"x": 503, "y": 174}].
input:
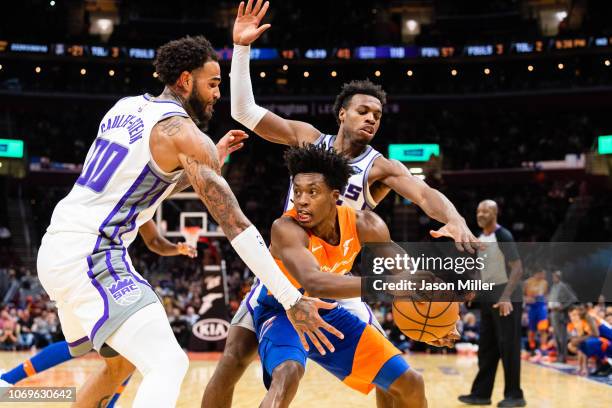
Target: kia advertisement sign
[{"x": 210, "y": 331}]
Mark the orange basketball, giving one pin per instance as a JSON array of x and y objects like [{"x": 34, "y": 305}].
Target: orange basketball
[{"x": 425, "y": 321}]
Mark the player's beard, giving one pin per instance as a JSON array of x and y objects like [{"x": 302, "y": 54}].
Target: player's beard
[{"x": 198, "y": 107}]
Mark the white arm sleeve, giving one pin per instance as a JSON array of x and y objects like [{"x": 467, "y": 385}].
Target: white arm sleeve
[
  {"x": 243, "y": 106},
  {"x": 251, "y": 247}
]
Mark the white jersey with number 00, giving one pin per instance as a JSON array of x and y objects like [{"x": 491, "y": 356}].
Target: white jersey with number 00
[{"x": 120, "y": 185}]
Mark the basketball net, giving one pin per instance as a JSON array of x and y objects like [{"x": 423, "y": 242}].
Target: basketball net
[{"x": 191, "y": 234}]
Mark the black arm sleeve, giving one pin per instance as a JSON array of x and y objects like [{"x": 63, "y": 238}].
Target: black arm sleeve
[{"x": 507, "y": 244}]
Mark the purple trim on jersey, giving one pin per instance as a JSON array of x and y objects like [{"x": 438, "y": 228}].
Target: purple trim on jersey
[
  {"x": 366, "y": 187},
  {"x": 248, "y": 299},
  {"x": 119, "y": 205},
  {"x": 166, "y": 179},
  {"x": 370, "y": 313},
  {"x": 109, "y": 265},
  {"x": 135, "y": 217},
  {"x": 288, "y": 194},
  {"x": 367, "y": 151},
  {"x": 127, "y": 266},
  {"x": 156, "y": 197},
  {"x": 79, "y": 341},
  {"x": 357, "y": 159},
  {"x": 148, "y": 98},
  {"x": 130, "y": 217},
  {"x": 174, "y": 113},
  {"x": 97, "y": 285},
  {"x": 320, "y": 139}
]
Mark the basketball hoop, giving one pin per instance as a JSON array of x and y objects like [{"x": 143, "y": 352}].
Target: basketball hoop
[{"x": 192, "y": 235}]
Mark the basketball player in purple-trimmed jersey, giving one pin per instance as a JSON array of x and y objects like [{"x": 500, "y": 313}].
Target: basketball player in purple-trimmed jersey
[
  {"x": 358, "y": 110},
  {"x": 145, "y": 146}
]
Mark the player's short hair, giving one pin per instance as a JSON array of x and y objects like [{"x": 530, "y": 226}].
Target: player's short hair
[
  {"x": 310, "y": 158},
  {"x": 363, "y": 87},
  {"x": 184, "y": 54}
]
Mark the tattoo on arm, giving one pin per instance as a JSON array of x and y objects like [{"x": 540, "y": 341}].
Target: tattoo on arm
[
  {"x": 215, "y": 192},
  {"x": 104, "y": 401},
  {"x": 171, "y": 127},
  {"x": 182, "y": 184},
  {"x": 301, "y": 314}
]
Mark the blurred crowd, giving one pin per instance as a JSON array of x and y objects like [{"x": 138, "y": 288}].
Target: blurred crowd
[{"x": 471, "y": 136}]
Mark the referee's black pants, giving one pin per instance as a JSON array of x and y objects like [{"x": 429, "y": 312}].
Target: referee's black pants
[{"x": 500, "y": 338}]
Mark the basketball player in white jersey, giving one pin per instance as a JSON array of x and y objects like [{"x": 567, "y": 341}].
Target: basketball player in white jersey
[
  {"x": 358, "y": 111},
  {"x": 144, "y": 146}
]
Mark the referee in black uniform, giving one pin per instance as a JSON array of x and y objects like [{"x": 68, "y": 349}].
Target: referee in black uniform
[{"x": 500, "y": 325}]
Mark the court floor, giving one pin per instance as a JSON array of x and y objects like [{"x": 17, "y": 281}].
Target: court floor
[{"x": 446, "y": 377}]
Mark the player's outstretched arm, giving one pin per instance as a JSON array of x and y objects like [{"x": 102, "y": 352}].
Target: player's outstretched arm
[
  {"x": 243, "y": 107},
  {"x": 196, "y": 154},
  {"x": 160, "y": 245},
  {"x": 289, "y": 243},
  {"x": 397, "y": 177}
]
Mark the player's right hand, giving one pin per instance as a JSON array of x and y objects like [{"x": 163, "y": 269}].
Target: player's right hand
[
  {"x": 246, "y": 26},
  {"x": 305, "y": 318},
  {"x": 448, "y": 340}
]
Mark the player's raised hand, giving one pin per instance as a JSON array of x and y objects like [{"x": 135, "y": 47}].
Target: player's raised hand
[
  {"x": 186, "y": 249},
  {"x": 460, "y": 233},
  {"x": 246, "y": 26},
  {"x": 305, "y": 318},
  {"x": 232, "y": 141}
]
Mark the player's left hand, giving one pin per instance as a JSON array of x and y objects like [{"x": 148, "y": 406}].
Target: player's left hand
[
  {"x": 246, "y": 26},
  {"x": 448, "y": 340},
  {"x": 232, "y": 141},
  {"x": 187, "y": 250},
  {"x": 460, "y": 233}
]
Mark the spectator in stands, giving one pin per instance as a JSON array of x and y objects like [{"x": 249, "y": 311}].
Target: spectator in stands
[
  {"x": 470, "y": 329},
  {"x": 180, "y": 326},
  {"x": 10, "y": 331},
  {"x": 191, "y": 317},
  {"x": 26, "y": 337},
  {"x": 42, "y": 330}
]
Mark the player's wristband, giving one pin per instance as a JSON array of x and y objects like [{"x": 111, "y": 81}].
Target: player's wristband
[
  {"x": 251, "y": 247},
  {"x": 242, "y": 101}
]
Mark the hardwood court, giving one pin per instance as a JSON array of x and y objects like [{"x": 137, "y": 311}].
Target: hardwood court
[{"x": 445, "y": 378}]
